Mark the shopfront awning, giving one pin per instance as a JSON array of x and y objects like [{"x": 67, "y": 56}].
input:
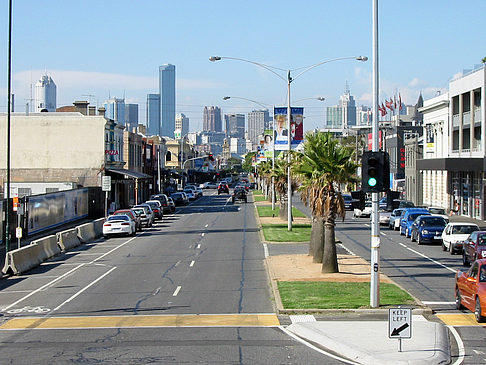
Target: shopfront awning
[{"x": 130, "y": 173}]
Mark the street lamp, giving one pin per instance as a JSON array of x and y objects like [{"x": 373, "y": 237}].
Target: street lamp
[{"x": 288, "y": 80}]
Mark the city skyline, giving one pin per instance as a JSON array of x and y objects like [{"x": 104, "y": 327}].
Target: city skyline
[{"x": 415, "y": 53}]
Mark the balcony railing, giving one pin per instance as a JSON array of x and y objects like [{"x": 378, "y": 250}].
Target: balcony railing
[
  {"x": 477, "y": 115},
  {"x": 455, "y": 120},
  {"x": 466, "y": 118}
]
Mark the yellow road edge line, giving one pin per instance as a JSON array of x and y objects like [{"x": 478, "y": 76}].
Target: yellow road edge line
[
  {"x": 459, "y": 319},
  {"x": 185, "y": 320}
]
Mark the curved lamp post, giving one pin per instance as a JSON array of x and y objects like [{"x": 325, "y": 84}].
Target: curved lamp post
[{"x": 288, "y": 80}]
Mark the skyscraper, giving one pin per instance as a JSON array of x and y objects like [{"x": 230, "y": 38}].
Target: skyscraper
[
  {"x": 343, "y": 115},
  {"x": 258, "y": 121},
  {"x": 131, "y": 115},
  {"x": 115, "y": 110},
  {"x": 235, "y": 125},
  {"x": 153, "y": 114},
  {"x": 45, "y": 94},
  {"x": 182, "y": 124},
  {"x": 212, "y": 119},
  {"x": 167, "y": 99}
]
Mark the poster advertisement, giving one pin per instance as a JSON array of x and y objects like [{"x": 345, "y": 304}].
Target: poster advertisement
[{"x": 281, "y": 125}]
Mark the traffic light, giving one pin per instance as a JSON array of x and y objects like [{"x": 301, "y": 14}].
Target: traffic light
[
  {"x": 211, "y": 157},
  {"x": 358, "y": 199},
  {"x": 375, "y": 172}
]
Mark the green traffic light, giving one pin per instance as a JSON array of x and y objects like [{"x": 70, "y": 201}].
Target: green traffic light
[{"x": 372, "y": 181}]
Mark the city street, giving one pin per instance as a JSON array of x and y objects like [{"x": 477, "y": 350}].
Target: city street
[{"x": 191, "y": 289}]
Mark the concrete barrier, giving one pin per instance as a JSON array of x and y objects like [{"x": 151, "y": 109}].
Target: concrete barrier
[
  {"x": 86, "y": 232},
  {"x": 68, "y": 239},
  {"x": 22, "y": 259},
  {"x": 98, "y": 226},
  {"x": 47, "y": 247}
]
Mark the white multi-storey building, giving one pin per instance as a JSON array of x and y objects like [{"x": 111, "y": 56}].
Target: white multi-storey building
[
  {"x": 182, "y": 124},
  {"x": 45, "y": 95}
]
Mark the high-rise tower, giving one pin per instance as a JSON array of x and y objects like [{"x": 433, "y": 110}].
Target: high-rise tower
[
  {"x": 212, "y": 121},
  {"x": 153, "y": 114},
  {"x": 45, "y": 94},
  {"x": 167, "y": 99}
]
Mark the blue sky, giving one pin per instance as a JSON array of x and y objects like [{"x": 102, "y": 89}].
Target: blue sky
[{"x": 107, "y": 47}]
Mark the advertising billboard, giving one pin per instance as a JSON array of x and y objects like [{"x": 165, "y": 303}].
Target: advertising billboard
[{"x": 281, "y": 125}]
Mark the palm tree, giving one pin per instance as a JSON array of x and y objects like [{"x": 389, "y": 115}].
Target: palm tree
[
  {"x": 280, "y": 180},
  {"x": 265, "y": 172},
  {"x": 323, "y": 165}
]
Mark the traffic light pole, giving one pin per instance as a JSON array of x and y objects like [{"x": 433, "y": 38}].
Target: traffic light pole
[{"x": 375, "y": 227}]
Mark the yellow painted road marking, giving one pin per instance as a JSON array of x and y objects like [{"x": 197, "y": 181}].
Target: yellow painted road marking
[
  {"x": 460, "y": 319},
  {"x": 182, "y": 320}
]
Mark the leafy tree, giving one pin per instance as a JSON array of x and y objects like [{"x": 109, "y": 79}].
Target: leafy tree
[
  {"x": 323, "y": 165},
  {"x": 248, "y": 164}
]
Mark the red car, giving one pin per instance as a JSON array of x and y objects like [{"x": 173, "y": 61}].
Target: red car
[
  {"x": 471, "y": 289},
  {"x": 133, "y": 215},
  {"x": 474, "y": 247}
]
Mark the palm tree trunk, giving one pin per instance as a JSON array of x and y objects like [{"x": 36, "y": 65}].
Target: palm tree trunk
[
  {"x": 329, "y": 257},
  {"x": 317, "y": 240}
]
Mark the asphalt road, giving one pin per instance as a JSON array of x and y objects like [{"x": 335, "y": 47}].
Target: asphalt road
[{"x": 191, "y": 289}]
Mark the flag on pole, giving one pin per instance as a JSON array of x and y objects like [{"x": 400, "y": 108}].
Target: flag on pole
[{"x": 399, "y": 101}]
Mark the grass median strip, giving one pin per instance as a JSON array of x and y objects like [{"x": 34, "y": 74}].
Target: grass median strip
[
  {"x": 266, "y": 211},
  {"x": 338, "y": 295},
  {"x": 280, "y": 232}
]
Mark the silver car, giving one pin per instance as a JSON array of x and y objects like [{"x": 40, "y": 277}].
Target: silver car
[{"x": 147, "y": 214}]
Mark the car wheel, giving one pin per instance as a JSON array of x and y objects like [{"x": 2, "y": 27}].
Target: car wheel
[
  {"x": 465, "y": 261},
  {"x": 477, "y": 311},
  {"x": 134, "y": 233},
  {"x": 419, "y": 242},
  {"x": 412, "y": 237},
  {"x": 444, "y": 248},
  {"x": 458, "y": 299}
]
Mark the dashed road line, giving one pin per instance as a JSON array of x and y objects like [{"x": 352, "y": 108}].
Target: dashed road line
[
  {"x": 198, "y": 245},
  {"x": 178, "y": 289},
  {"x": 192, "y": 263}
]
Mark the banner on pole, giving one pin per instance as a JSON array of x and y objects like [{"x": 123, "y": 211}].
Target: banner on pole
[{"x": 281, "y": 125}]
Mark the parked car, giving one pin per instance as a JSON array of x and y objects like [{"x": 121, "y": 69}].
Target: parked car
[
  {"x": 382, "y": 203},
  {"x": 366, "y": 212},
  {"x": 408, "y": 217},
  {"x": 454, "y": 234},
  {"x": 200, "y": 191},
  {"x": 120, "y": 224},
  {"x": 384, "y": 217},
  {"x": 395, "y": 216},
  {"x": 474, "y": 247},
  {"x": 146, "y": 214},
  {"x": 156, "y": 208},
  {"x": 204, "y": 185},
  {"x": 428, "y": 228},
  {"x": 162, "y": 198},
  {"x": 223, "y": 188},
  {"x": 193, "y": 189},
  {"x": 470, "y": 289},
  {"x": 347, "y": 202},
  {"x": 171, "y": 204},
  {"x": 179, "y": 198},
  {"x": 439, "y": 211},
  {"x": 191, "y": 194},
  {"x": 132, "y": 214}
]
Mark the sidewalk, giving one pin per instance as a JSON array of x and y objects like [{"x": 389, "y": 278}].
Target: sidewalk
[{"x": 359, "y": 335}]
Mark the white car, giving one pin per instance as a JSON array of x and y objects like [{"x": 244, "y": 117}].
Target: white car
[
  {"x": 191, "y": 195},
  {"x": 366, "y": 212},
  {"x": 120, "y": 224},
  {"x": 384, "y": 217},
  {"x": 454, "y": 234},
  {"x": 395, "y": 219}
]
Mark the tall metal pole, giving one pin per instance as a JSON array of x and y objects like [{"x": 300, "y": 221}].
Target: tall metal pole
[
  {"x": 289, "y": 139},
  {"x": 375, "y": 227},
  {"x": 9, "y": 87}
]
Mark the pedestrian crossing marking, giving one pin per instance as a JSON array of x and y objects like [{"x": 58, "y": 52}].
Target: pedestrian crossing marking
[{"x": 179, "y": 320}]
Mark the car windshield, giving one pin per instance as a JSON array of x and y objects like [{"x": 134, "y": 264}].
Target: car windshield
[
  {"x": 118, "y": 218},
  {"x": 433, "y": 221},
  {"x": 347, "y": 198},
  {"x": 464, "y": 229},
  {"x": 413, "y": 216},
  {"x": 437, "y": 211}
]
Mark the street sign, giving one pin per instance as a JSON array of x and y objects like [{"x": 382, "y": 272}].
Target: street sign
[
  {"x": 400, "y": 323},
  {"x": 18, "y": 232},
  {"x": 106, "y": 183}
]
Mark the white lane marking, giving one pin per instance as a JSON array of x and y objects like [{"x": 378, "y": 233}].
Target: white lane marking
[
  {"x": 346, "y": 361},
  {"x": 384, "y": 234},
  {"x": 65, "y": 275},
  {"x": 431, "y": 259},
  {"x": 347, "y": 249},
  {"x": 460, "y": 346},
  {"x": 177, "y": 291},
  {"x": 192, "y": 263},
  {"x": 198, "y": 246},
  {"x": 402, "y": 244},
  {"x": 206, "y": 226},
  {"x": 84, "y": 289},
  {"x": 265, "y": 250},
  {"x": 177, "y": 263},
  {"x": 367, "y": 225},
  {"x": 438, "y": 303},
  {"x": 202, "y": 234}
]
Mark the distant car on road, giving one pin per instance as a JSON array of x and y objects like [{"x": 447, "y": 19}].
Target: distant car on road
[
  {"x": 408, "y": 218},
  {"x": 156, "y": 208},
  {"x": 239, "y": 194},
  {"x": 474, "y": 247},
  {"x": 171, "y": 204},
  {"x": 132, "y": 214},
  {"x": 366, "y": 212},
  {"x": 179, "y": 198},
  {"x": 384, "y": 217},
  {"x": 347, "y": 201},
  {"x": 428, "y": 228},
  {"x": 145, "y": 213},
  {"x": 455, "y": 233},
  {"x": 395, "y": 216},
  {"x": 470, "y": 289},
  {"x": 120, "y": 224},
  {"x": 223, "y": 188},
  {"x": 191, "y": 194},
  {"x": 162, "y": 198}
]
